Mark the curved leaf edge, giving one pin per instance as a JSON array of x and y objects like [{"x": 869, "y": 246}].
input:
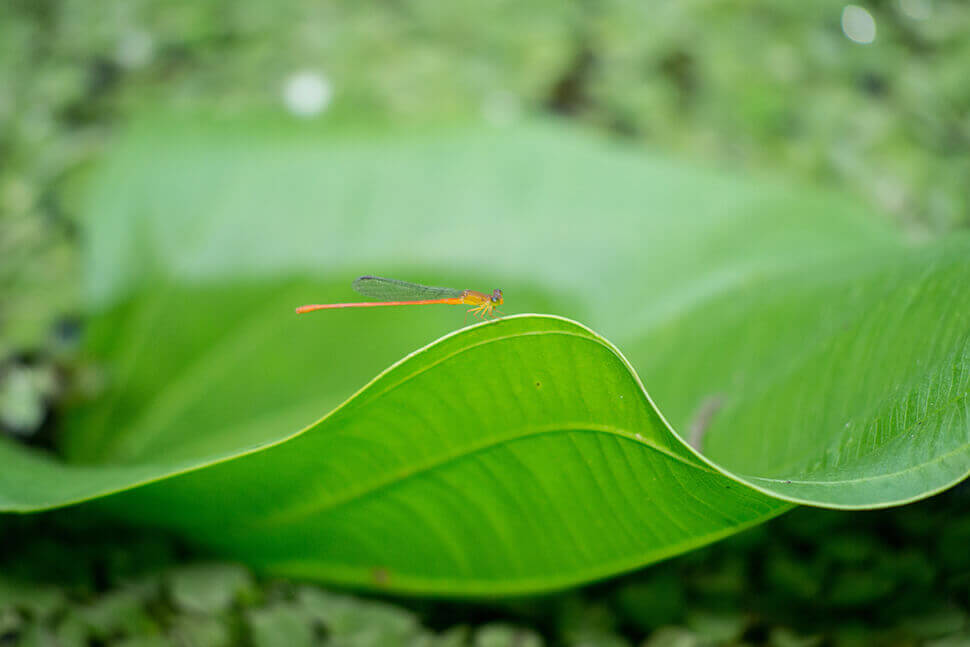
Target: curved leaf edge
[
  {"x": 753, "y": 482},
  {"x": 359, "y": 579}
]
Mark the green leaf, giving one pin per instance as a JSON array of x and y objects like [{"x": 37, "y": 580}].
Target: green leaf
[
  {"x": 811, "y": 353},
  {"x": 280, "y": 625},
  {"x": 843, "y": 385},
  {"x": 509, "y": 449},
  {"x": 208, "y": 588},
  {"x": 498, "y": 635}
]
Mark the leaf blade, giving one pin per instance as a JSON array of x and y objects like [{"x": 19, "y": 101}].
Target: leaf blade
[{"x": 764, "y": 301}]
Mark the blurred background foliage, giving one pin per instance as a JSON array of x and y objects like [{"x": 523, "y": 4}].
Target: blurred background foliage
[
  {"x": 767, "y": 85},
  {"x": 810, "y": 578},
  {"x": 764, "y": 86}
]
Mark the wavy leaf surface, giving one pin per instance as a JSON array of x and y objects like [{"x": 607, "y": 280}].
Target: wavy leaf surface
[{"x": 811, "y": 354}]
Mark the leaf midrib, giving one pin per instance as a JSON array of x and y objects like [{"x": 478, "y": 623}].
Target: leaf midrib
[{"x": 397, "y": 477}]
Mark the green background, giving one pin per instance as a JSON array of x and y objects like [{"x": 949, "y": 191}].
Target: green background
[{"x": 884, "y": 122}]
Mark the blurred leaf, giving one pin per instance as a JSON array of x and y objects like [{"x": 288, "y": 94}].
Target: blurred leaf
[
  {"x": 456, "y": 637},
  {"x": 782, "y": 637},
  {"x": 956, "y": 640},
  {"x": 719, "y": 628},
  {"x": 73, "y": 632},
  {"x": 39, "y": 601},
  {"x": 583, "y": 622},
  {"x": 118, "y": 613},
  {"x": 208, "y": 588},
  {"x": 831, "y": 360},
  {"x": 200, "y": 631},
  {"x": 38, "y": 636},
  {"x": 345, "y": 617},
  {"x": 22, "y": 393},
  {"x": 497, "y": 635},
  {"x": 280, "y": 625},
  {"x": 672, "y": 637},
  {"x": 10, "y": 620},
  {"x": 939, "y": 623},
  {"x": 143, "y": 641}
]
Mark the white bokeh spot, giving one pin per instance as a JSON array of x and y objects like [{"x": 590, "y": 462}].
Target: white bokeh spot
[
  {"x": 307, "y": 93},
  {"x": 858, "y": 24},
  {"x": 135, "y": 49}
]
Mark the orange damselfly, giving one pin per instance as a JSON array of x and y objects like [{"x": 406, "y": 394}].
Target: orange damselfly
[{"x": 391, "y": 292}]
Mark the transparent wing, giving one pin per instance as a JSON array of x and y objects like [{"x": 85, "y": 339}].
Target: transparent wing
[{"x": 375, "y": 287}]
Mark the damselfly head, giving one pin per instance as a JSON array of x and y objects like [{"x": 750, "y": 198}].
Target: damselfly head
[{"x": 497, "y": 297}]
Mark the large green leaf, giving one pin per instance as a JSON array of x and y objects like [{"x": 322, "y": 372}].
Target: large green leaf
[
  {"x": 812, "y": 354},
  {"x": 476, "y": 465}
]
